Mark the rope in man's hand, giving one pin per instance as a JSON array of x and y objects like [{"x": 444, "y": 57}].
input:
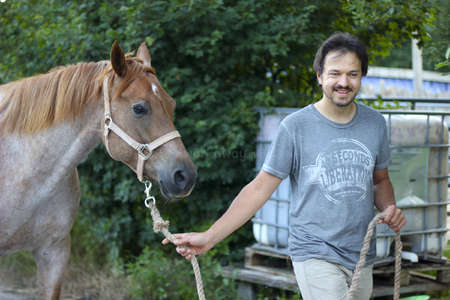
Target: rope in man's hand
[{"x": 362, "y": 259}]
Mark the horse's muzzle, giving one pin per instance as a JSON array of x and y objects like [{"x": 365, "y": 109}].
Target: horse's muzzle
[{"x": 179, "y": 182}]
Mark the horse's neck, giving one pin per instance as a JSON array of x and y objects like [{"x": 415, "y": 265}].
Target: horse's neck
[{"x": 73, "y": 141}]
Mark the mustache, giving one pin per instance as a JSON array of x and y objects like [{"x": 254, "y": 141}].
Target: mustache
[{"x": 340, "y": 87}]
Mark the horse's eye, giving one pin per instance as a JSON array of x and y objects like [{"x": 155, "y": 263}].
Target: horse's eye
[{"x": 140, "y": 109}]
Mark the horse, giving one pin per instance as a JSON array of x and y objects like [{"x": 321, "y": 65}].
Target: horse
[{"x": 48, "y": 125}]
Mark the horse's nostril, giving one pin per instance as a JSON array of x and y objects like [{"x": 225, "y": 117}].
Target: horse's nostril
[{"x": 180, "y": 179}]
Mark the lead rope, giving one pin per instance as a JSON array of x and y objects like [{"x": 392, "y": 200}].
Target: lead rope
[
  {"x": 362, "y": 259},
  {"x": 159, "y": 225}
]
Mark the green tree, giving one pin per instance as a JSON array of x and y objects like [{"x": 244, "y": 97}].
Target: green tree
[{"x": 435, "y": 48}]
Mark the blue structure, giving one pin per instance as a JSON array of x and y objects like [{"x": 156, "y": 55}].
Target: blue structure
[{"x": 394, "y": 82}]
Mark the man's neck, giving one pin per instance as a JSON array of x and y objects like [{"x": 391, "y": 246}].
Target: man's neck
[{"x": 337, "y": 114}]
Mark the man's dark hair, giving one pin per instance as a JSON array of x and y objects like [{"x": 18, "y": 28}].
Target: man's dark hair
[{"x": 344, "y": 42}]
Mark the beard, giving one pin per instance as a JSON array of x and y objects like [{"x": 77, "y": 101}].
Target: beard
[{"x": 334, "y": 99}]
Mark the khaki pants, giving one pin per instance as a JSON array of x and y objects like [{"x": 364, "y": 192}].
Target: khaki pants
[{"x": 321, "y": 280}]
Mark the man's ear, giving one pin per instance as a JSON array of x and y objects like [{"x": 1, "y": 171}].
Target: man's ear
[
  {"x": 118, "y": 59},
  {"x": 319, "y": 78}
]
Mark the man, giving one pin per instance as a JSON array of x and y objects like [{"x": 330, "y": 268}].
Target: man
[{"x": 336, "y": 155}]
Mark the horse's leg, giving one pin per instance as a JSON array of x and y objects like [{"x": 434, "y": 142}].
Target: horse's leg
[
  {"x": 51, "y": 263},
  {"x": 52, "y": 256}
]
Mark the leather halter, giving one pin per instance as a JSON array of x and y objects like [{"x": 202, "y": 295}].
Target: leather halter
[{"x": 144, "y": 151}]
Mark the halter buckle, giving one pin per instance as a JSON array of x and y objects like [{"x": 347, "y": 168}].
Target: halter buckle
[{"x": 144, "y": 151}]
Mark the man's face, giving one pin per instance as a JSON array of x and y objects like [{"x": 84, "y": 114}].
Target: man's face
[{"x": 341, "y": 77}]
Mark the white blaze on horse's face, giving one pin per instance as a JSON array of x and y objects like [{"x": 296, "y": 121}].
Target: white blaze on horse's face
[
  {"x": 155, "y": 89},
  {"x": 142, "y": 108}
]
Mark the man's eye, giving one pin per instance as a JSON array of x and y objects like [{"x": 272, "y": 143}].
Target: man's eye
[{"x": 140, "y": 109}]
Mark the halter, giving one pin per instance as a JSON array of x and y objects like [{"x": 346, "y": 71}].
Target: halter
[{"x": 144, "y": 151}]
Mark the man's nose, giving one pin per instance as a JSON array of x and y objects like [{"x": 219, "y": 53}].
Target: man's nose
[{"x": 343, "y": 80}]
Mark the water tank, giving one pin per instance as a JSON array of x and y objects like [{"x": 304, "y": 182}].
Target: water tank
[{"x": 419, "y": 151}]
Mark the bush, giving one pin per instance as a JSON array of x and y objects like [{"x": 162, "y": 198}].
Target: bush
[{"x": 156, "y": 276}]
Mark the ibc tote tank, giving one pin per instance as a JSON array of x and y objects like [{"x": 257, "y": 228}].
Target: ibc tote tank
[
  {"x": 419, "y": 173},
  {"x": 419, "y": 151}
]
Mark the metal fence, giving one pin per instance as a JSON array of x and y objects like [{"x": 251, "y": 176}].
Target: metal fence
[{"x": 419, "y": 164}]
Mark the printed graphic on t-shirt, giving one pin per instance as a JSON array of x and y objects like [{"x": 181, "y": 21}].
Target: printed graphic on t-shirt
[{"x": 343, "y": 170}]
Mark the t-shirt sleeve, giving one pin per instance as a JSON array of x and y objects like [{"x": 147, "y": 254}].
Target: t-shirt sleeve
[
  {"x": 384, "y": 157},
  {"x": 279, "y": 160}
]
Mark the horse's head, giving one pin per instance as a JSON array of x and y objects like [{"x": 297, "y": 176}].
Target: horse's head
[{"x": 138, "y": 127}]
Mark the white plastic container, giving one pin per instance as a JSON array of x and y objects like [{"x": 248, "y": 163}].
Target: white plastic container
[
  {"x": 274, "y": 228},
  {"x": 271, "y": 222}
]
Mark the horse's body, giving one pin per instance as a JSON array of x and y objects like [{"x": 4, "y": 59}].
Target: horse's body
[{"x": 39, "y": 187}]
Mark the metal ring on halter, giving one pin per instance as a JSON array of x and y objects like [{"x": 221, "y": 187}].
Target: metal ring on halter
[{"x": 108, "y": 120}]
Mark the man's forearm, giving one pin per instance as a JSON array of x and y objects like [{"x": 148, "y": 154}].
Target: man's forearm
[
  {"x": 383, "y": 194},
  {"x": 385, "y": 201}
]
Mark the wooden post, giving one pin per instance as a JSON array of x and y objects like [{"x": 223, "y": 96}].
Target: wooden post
[{"x": 417, "y": 67}]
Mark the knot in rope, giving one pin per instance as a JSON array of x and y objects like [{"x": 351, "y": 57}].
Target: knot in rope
[{"x": 160, "y": 226}]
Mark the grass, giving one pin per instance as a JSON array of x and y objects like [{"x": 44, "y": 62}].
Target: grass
[{"x": 18, "y": 272}]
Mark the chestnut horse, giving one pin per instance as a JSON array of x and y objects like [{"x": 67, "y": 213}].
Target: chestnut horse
[{"x": 48, "y": 125}]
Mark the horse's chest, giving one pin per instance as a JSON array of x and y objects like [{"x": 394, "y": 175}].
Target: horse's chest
[
  {"x": 27, "y": 226},
  {"x": 34, "y": 211}
]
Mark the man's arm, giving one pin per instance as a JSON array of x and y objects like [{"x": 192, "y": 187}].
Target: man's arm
[
  {"x": 385, "y": 201},
  {"x": 243, "y": 207}
]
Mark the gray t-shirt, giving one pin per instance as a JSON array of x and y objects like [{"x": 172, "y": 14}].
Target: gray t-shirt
[{"x": 330, "y": 167}]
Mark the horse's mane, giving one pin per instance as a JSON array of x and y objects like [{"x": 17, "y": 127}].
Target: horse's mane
[{"x": 41, "y": 101}]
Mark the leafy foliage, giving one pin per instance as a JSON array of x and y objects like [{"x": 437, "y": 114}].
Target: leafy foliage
[
  {"x": 156, "y": 276},
  {"x": 435, "y": 49},
  {"x": 446, "y": 63}
]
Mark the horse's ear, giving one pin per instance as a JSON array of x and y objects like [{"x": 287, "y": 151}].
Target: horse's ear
[
  {"x": 118, "y": 59},
  {"x": 143, "y": 54}
]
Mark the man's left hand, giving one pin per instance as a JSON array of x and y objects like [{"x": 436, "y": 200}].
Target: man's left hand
[{"x": 394, "y": 218}]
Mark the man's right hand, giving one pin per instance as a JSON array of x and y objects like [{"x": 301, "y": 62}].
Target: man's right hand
[{"x": 192, "y": 243}]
